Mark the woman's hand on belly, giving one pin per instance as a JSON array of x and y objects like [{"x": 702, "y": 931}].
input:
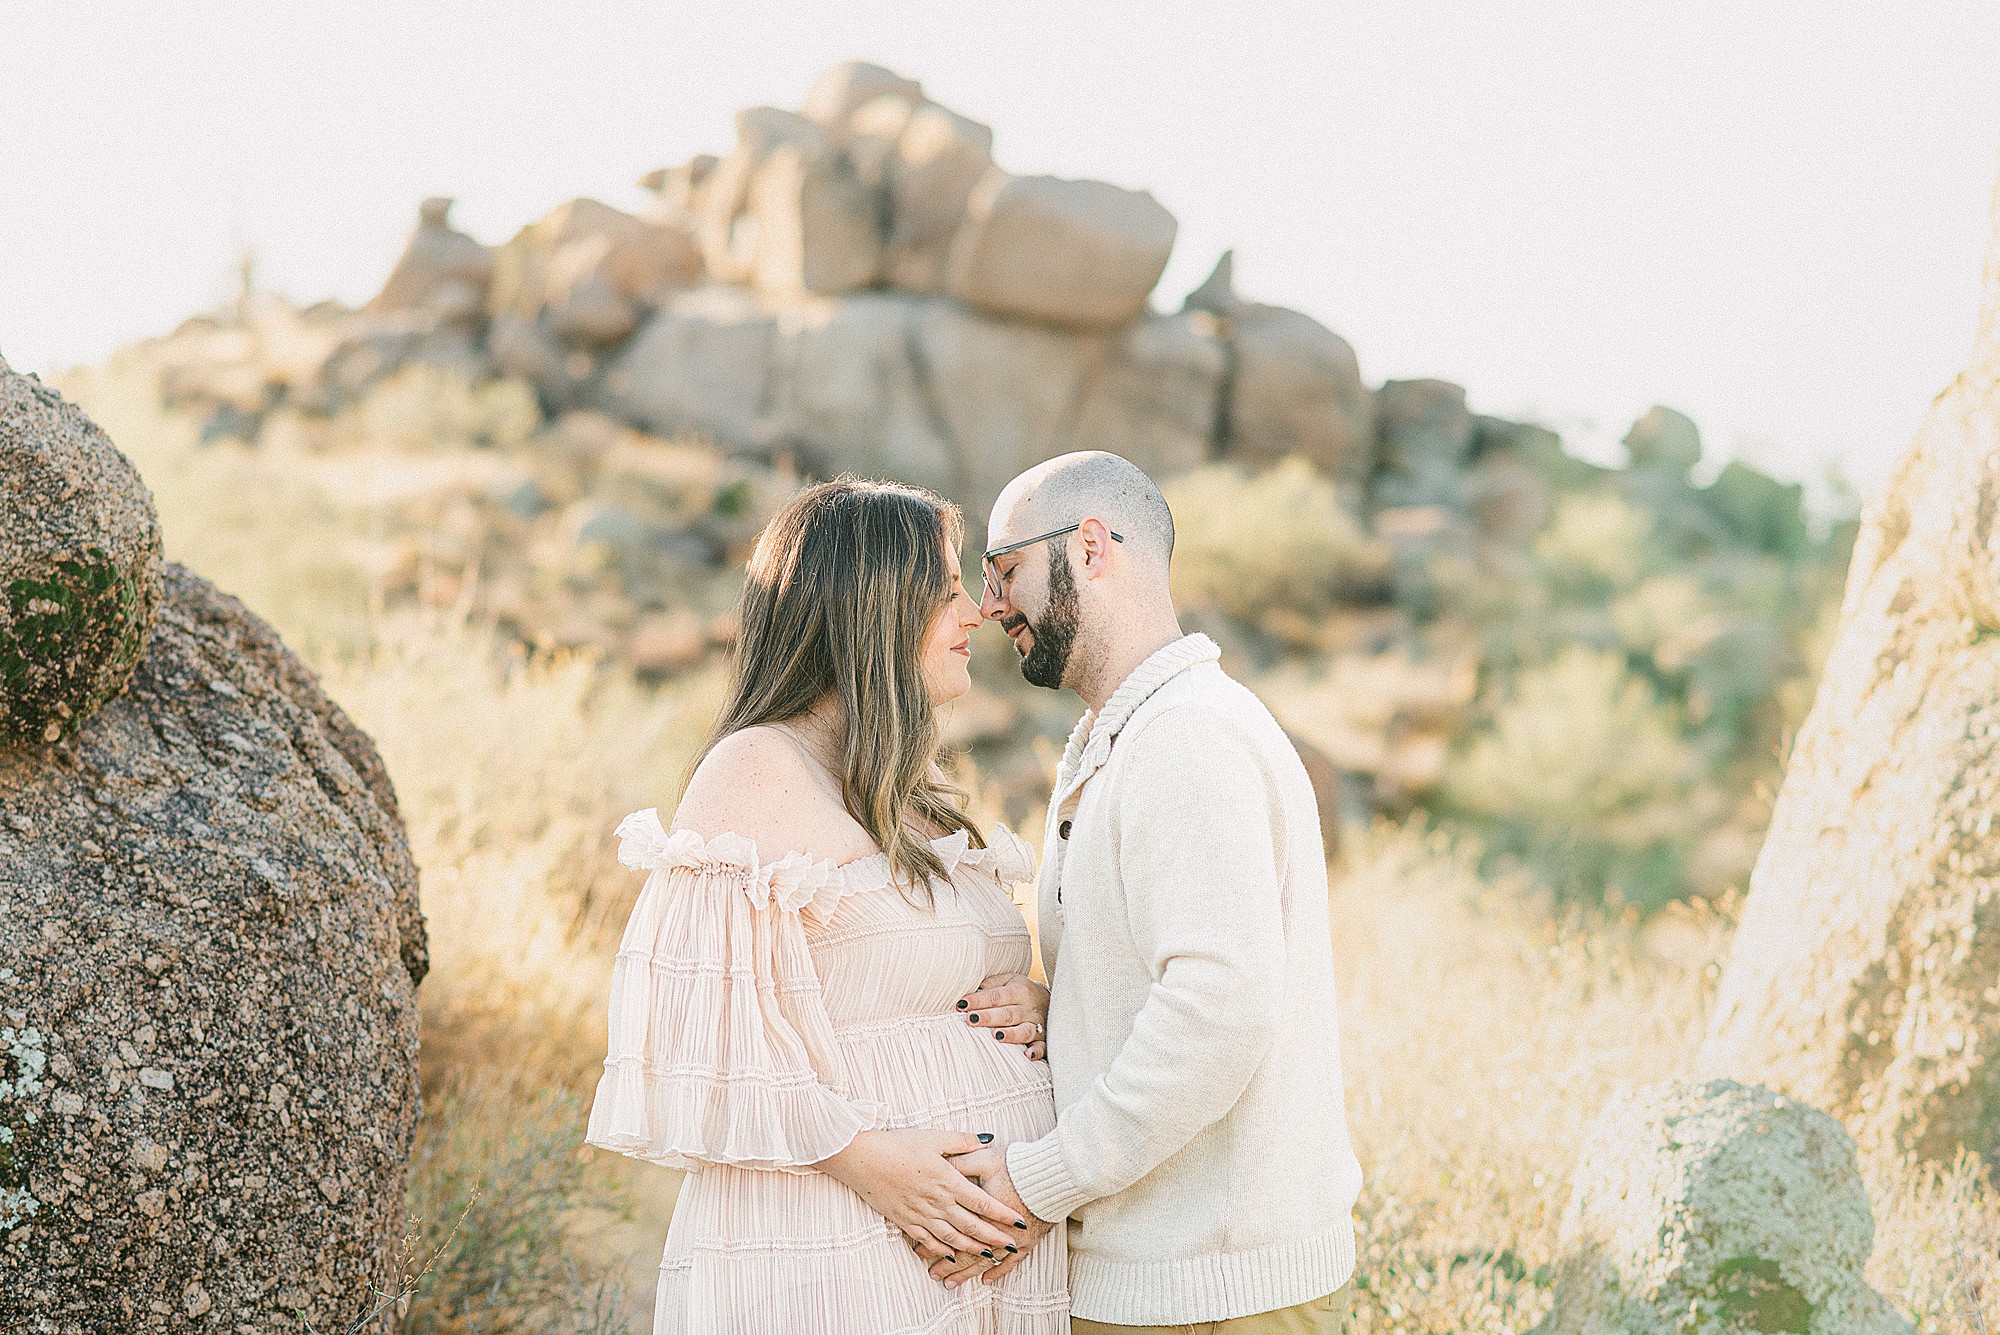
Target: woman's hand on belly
[
  {"x": 907, "y": 1178},
  {"x": 1015, "y": 1007}
]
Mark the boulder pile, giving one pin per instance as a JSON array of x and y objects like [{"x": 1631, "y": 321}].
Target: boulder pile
[
  {"x": 209, "y": 930},
  {"x": 856, "y": 285}
]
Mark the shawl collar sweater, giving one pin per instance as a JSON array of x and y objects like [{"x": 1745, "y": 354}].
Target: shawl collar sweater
[{"x": 1200, "y": 1153}]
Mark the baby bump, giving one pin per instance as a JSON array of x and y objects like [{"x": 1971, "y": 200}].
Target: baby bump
[{"x": 938, "y": 1072}]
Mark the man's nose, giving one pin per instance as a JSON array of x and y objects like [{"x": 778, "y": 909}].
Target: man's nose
[{"x": 991, "y": 606}]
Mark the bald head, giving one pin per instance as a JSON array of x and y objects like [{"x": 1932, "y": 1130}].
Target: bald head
[{"x": 1087, "y": 484}]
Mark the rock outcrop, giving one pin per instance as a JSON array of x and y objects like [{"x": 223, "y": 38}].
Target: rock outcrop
[
  {"x": 1717, "y": 1207},
  {"x": 79, "y": 564},
  {"x": 857, "y": 284},
  {"x": 1294, "y": 386},
  {"x": 1080, "y": 254},
  {"x": 1862, "y": 976},
  {"x": 918, "y": 388},
  {"x": 211, "y": 939},
  {"x": 442, "y": 271}
]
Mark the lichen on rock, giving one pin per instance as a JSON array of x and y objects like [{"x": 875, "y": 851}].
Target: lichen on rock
[
  {"x": 1717, "y": 1207},
  {"x": 22, "y": 1061},
  {"x": 79, "y": 564}
]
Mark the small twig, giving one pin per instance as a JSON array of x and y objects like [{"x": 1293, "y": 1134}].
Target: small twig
[
  {"x": 411, "y": 1283},
  {"x": 1969, "y": 1282}
]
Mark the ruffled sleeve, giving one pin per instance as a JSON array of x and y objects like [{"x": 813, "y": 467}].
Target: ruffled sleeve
[
  {"x": 720, "y": 1046},
  {"x": 1005, "y": 858}
]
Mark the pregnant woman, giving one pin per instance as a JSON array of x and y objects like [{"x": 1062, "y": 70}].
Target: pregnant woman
[{"x": 821, "y": 996}]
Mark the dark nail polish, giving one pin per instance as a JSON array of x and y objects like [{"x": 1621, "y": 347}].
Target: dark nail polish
[
  {"x": 987, "y": 1254},
  {"x": 1000, "y": 1034},
  {"x": 963, "y": 1004},
  {"x": 954, "y": 1258},
  {"x": 1012, "y": 1248},
  {"x": 974, "y": 1017},
  {"x": 986, "y": 1137},
  {"x": 1020, "y": 1223}
]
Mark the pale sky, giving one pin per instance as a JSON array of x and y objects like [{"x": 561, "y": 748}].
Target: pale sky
[{"x": 1769, "y": 215}]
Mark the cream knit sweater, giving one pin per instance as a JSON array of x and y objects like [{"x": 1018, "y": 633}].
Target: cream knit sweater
[{"x": 1200, "y": 1152}]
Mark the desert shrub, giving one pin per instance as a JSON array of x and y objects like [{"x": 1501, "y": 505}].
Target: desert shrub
[
  {"x": 1759, "y": 511},
  {"x": 427, "y": 409},
  {"x": 512, "y": 771},
  {"x": 1597, "y": 543},
  {"x": 498, "y": 1179},
  {"x": 1937, "y": 1241},
  {"x": 1583, "y": 772},
  {"x": 1275, "y": 549}
]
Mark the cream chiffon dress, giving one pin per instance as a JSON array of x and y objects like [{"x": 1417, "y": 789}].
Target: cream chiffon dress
[{"x": 763, "y": 1013}]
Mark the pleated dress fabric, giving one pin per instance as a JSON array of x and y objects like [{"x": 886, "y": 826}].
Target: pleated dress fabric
[{"x": 765, "y": 1012}]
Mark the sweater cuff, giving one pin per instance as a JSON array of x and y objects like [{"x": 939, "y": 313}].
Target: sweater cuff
[{"x": 1042, "y": 1178}]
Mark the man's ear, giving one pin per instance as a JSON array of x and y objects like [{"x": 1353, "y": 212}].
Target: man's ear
[{"x": 1094, "y": 538}]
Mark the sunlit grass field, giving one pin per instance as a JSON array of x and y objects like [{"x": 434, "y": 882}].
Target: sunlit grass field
[{"x": 1485, "y": 1019}]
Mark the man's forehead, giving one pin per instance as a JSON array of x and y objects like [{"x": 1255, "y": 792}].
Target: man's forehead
[{"x": 1010, "y": 521}]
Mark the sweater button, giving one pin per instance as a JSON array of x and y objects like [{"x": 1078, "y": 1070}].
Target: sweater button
[{"x": 1062, "y": 830}]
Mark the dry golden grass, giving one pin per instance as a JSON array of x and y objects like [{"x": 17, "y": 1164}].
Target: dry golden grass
[{"x": 1483, "y": 1028}]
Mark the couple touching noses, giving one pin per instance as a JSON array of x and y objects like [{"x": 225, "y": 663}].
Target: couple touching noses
[{"x": 820, "y": 1005}]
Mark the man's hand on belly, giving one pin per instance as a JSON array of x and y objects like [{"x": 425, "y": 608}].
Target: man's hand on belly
[{"x": 988, "y": 1167}]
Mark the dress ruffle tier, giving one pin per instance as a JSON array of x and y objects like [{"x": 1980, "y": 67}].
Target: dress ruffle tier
[{"x": 765, "y": 1013}]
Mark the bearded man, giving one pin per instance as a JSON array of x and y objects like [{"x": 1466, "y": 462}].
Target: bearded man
[{"x": 1200, "y": 1159}]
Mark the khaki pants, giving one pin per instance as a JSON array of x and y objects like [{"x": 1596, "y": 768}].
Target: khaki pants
[{"x": 1321, "y": 1316}]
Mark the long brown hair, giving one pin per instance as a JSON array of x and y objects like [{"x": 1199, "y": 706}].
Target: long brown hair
[{"x": 842, "y": 588}]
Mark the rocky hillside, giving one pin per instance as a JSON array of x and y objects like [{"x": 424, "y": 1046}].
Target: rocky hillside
[{"x": 577, "y": 432}]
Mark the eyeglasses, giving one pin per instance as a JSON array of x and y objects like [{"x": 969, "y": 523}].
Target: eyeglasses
[{"x": 994, "y": 579}]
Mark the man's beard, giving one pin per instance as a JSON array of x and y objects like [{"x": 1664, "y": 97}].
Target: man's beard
[{"x": 1055, "y": 631}]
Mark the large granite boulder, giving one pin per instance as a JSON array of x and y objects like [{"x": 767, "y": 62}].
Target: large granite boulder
[
  {"x": 850, "y": 85},
  {"x": 817, "y": 228},
  {"x": 1294, "y": 386},
  {"x": 1717, "y": 1207},
  {"x": 587, "y": 272},
  {"x": 441, "y": 271},
  {"x": 925, "y": 162},
  {"x": 1079, "y": 254},
  {"x": 1862, "y": 975},
  {"x": 918, "y": 388},
  {"x": 725, "y": 229},
  {"x": 1425, "y": 436},
  {"x": 700, "y": 364},
  {"x": 1009, "y": 395},
  {"x": 211, "y": 943},
  {"x": 79, "y": 565}
]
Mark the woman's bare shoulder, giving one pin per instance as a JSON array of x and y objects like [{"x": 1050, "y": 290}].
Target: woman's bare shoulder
[{"x": 759, "y": 784}]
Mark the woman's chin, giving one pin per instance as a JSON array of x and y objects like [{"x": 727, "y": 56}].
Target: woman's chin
[{"x": 956, "y": 686}]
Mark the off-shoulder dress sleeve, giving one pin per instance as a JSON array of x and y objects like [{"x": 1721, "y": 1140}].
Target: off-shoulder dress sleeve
[{"x": 720, "y": 1046}]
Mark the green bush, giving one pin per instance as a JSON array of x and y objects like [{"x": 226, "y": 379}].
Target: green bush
[
  {"x": 1274, "y": 550},
  {"x": 1598, "y": 544},
  {"x": 1584, "y": 773}
]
